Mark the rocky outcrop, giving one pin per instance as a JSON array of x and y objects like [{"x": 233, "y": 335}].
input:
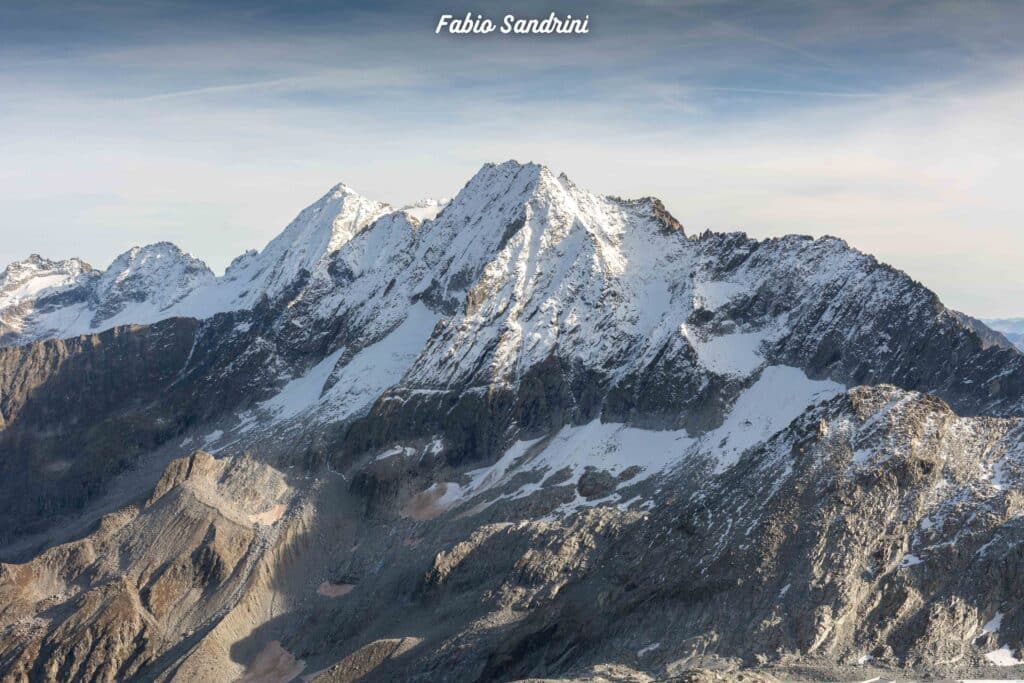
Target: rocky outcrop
[{"x": 146, "y": 580}]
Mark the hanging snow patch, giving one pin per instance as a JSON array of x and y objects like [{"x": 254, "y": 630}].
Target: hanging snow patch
[{"x": 780, "y": 395}]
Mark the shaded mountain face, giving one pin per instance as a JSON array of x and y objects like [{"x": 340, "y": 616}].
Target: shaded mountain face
[
  {"x": 530, "y": 431},
  {"x": 75, "y": 412}
]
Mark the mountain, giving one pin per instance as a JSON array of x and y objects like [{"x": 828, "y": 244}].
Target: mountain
[
  {"x": 44, "y": 299},
  {"x": 530, "y": 432},
  {"x": 1011, "y": 328},
  {"x": 989, "y": 336},
  {"x": 145, "y": 283},
  {"x": 159, "y": 281},
  {"x": 37, "y": 287},
  {"x": 303, "y": 247}
]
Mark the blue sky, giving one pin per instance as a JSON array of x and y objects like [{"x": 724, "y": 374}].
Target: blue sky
[{"x": 892, "y": 125}]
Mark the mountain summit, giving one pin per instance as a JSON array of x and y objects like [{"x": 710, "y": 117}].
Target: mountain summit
[{"x": 530, "y": 432}]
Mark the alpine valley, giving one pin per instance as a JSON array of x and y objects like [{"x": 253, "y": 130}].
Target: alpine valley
[{"x": 527, "y": 433}]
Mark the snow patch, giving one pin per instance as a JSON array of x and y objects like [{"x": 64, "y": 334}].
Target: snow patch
[
  {"x": 212, "y": 438},
  {"x": 910, "y": 560},
  {"x": 1003, "y": 657},
  {"x": 993, "y": 625},
  {"x": 605, "y": 446},
  {"x": 650, "y": 648},
  {"x": 426, "y": 209},
  {"x": 780, "y": 395},
  {"x": 737, "y": 354},
  {"x": 396, "y": 450},
  {"x": 380, "y": 365},
  {"x": 715, "y": 294},
  {"x": 302, "y": 392},
  {"x": 360, "y": 381}
]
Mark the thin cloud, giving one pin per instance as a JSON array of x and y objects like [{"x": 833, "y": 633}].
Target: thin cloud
[
  {"x": 332, "y": 79},
  {"x": 783, "y": 45},
  {"x": 251, "y": 86},
  {"x": 810, "y": 93}
]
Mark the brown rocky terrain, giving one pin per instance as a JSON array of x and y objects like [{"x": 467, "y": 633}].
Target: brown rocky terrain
[{"x": 877, "y": 532}]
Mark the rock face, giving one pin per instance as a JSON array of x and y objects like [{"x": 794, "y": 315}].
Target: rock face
[
  {"x": 188, "y": 550},
  {"x": 75, "y": 412},
  {"x": 527, "y": 432}
]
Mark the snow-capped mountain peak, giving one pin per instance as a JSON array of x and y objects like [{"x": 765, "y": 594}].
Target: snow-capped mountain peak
[
  {"x": 40, "y": 298},
  {"x": 331, "y": 221},
  {"x": 317, "y": 232},
  {"x": 146, "y": 280},
  {"x": 37, "y": 277},
  {"x": 38, "y": 286},
  {"x": 543, "y": 265}
]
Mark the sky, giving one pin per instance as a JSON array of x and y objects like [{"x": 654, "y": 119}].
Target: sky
[{"x": 893, "y": 125}]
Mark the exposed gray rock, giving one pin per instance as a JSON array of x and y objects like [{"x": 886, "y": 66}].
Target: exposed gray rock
[{"x": 595, "y": 484}]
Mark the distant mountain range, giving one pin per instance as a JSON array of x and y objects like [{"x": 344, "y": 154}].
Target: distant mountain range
[
  {"x": 1011, "y": 328},
  {"x": 530, "y": 432}
]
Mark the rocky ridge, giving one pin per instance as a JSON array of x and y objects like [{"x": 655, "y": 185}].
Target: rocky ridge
[{"x": 532, "y": 432}]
